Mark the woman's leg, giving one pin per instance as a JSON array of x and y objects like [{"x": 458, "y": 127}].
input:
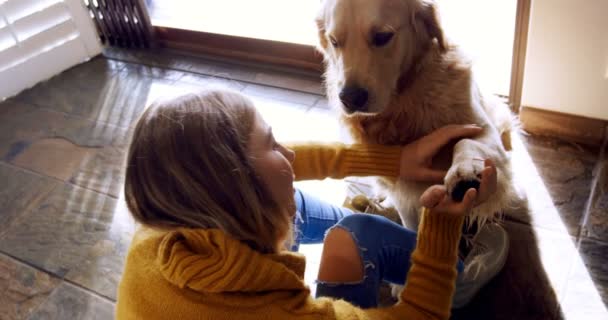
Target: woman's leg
[
  {"x": 383, "y": 249},
  {"x": 314, "y": 217},
  {"x": 383, "y": 252}
]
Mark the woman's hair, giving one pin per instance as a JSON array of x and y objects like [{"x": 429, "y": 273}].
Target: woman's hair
[{"x": 188, "y": 166}]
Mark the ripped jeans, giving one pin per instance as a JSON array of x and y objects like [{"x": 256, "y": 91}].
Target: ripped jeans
[{"x": 384, "y": 246}]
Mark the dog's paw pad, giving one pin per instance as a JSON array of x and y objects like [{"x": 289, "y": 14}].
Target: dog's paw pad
[{"x": 462, "y": 187}]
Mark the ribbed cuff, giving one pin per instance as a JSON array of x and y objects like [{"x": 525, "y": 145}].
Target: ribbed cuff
[
  {"x": 372, "y": 160},
  {"x": 438, "y": 234}
]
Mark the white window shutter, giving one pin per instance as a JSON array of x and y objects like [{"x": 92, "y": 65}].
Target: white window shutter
[{"x": 41, "y": 38}]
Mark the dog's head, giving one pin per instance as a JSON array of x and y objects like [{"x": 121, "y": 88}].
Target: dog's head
[{"x": 370, "y": 46}]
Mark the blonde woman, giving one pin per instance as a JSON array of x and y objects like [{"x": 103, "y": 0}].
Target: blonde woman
[{"x": 213, "y": 192}]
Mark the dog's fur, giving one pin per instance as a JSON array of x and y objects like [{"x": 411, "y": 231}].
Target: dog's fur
[{"x": 417, "y": 83}]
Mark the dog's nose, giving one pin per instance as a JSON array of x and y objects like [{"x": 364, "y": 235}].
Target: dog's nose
[{"x": 354, "y": 98}]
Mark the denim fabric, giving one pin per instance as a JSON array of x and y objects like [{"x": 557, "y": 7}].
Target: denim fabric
[
  {"x": 384, "y": 246},
  {"x": 313, "y": 218}
]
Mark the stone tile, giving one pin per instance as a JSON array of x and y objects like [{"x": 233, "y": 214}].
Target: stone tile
[
  {"x": 164, "y": 61},
  {"x": 102, "y": 171},
  {"x": 21, "y": 192},
  {"x": 586, "y": 294},
  {"x": 102, "y": 267},
  {"x": 53, "y": 157},
  {"x": 209, "y": 81},
  {"x": 179, "y": 61},
  {"x": 306, "y": 99},
  {"x": 70, "y": 302},
  {"x": 170, "y": 59},
  {"x": 74, "y": 233},
  {"x": 19, "y": 123},
  {"x": 66, "y": 95},
  {"x": 167, "y": 58},
  {"x": 207, "y": 66},
  {"x": 531, "y": 281},
  {"x": 163, "y": 58},
  {"x": 53, "y": 143},
  {"x": 91, "y": 134},
  {"x": 22, "y": 288},
  {"x": 151, "y": 71},
  {"x": 291, "y": 81},
  {"x": 13, "y": 107},
  {"x": 230, "y": 71},
  {"x": 556, "y": 178},
  {"x": 118, "y": 101},
  {"x": 90, "y": 74},
  {"x": 596, "y": 222},
  {"x": 595, "y": 258},
  {"x": 69, "y": 90}
]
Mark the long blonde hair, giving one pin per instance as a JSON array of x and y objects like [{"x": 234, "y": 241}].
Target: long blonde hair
[{"x": 188, "y": 166}]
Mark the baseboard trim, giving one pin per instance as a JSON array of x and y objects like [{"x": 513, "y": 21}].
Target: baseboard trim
[{"x": 565, "y": 126}]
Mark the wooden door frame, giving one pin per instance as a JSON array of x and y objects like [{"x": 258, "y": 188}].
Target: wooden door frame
[
  {"x": 268, "y": 52},
  {"x": 520, "y": 44}
]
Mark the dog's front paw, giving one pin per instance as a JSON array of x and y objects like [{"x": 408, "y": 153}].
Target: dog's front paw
[{"x": 462, "y": 176}]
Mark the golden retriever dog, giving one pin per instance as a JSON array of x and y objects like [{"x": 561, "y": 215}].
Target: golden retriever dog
[{"x": 396, "y": 78}]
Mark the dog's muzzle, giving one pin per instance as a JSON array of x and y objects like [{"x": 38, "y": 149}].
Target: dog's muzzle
[{"x": 354, "y": 99}]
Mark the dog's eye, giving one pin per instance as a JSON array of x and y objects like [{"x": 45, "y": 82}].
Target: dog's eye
[
  {"x": 382, "y": 38},
  {"x": 333, "y": 42}
]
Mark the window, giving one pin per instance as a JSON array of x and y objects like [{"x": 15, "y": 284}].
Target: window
[{"x": 484, "y": 29}]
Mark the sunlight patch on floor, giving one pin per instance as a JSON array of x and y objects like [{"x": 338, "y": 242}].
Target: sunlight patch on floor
[{"x": 561, "y": 260}]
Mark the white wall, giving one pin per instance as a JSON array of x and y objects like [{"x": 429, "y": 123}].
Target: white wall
[
  {"x": 41, "y": 38},
  {"x": 567, "y": 57}
]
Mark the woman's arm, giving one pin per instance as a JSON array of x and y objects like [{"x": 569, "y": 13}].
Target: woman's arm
[
  {"x": 412, "y": 162},
  {"x": 430, "y": 283},
  {"x": 337, "y": 160}
]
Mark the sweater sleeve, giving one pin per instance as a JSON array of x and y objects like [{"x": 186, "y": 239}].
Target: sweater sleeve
[
  {"x": 430, "y": 284},
  {"x": 336, "y": 160},
  {"x": 431, "y": 279}
]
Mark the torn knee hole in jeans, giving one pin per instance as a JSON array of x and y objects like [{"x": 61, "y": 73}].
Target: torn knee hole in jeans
[{"x": 366, "y": 263}]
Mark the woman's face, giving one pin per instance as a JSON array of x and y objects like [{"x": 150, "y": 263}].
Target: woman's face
[{"x": 272, "y": 163}]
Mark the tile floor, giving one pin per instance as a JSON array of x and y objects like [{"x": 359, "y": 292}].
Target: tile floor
[{"x": 64, "y": 229}]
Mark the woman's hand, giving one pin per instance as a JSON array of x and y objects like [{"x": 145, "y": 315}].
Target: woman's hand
[
  {"x": 417, "y": 157},
  {"x": 437, "y": 199}
]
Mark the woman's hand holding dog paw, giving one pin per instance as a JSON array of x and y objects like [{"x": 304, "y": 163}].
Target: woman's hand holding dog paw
[
  {"x": 417, "y": 157},
  {"x": 438, "y": 200}
]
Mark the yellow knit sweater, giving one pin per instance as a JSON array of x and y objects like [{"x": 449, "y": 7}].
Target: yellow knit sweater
[{"x": 204, "y": 274}]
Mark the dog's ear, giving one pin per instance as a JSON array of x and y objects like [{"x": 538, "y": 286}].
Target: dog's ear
[
  {"x": 321, "y": 33},
  {"x": 427, "y": 17}
]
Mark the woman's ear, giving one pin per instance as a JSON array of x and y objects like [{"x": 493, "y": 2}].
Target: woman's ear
[{"x": 427, "y": 17}]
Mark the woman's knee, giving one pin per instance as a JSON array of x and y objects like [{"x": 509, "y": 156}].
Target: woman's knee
[
  {"x": 340, "y": 261},
  {"x": 361, "y": 224}
]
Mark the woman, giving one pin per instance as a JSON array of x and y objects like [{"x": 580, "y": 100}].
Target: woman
[{"x": 214, "y": 193}]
